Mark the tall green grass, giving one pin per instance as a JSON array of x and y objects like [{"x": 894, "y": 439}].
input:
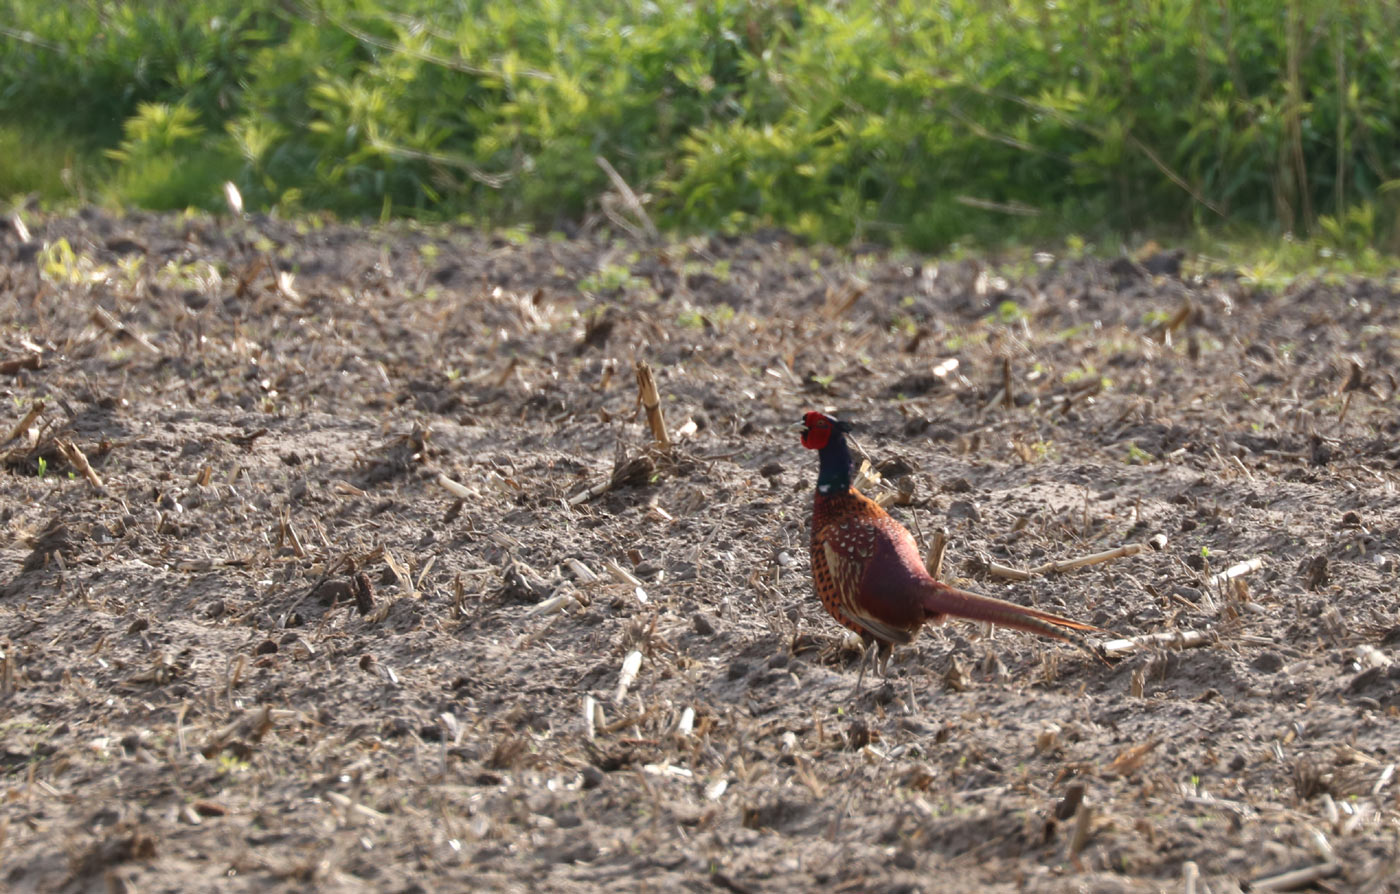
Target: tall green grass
[
  {"x": 901, "y": 121},
  {"x": 38, "y": 161}
]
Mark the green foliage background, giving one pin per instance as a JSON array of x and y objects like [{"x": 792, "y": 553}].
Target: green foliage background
[{"x": 902, "y": 121}]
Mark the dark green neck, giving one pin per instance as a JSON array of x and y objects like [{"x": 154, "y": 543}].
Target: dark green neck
[{"x": 834, "y": 475}]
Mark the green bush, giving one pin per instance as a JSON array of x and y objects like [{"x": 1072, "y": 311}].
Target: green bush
[{"x": 888, "y": 120}]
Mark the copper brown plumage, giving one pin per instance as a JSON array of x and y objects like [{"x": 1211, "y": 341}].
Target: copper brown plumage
[{"x": 867, "y": 571}]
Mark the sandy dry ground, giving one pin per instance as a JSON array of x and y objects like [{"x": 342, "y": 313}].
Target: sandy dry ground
[{"x": 264, "y": 648}]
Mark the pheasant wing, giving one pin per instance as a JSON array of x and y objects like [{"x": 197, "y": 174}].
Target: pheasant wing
[{"x": 847, "y": 551}]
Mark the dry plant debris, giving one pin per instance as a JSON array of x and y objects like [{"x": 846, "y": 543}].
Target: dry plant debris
[{"x": 346, "y": 557}]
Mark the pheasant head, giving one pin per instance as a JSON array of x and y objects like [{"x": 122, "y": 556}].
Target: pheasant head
[{"x": 827, "y": 435}]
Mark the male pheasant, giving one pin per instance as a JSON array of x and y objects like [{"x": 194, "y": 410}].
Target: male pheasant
[{"x": 867, "y": 570}]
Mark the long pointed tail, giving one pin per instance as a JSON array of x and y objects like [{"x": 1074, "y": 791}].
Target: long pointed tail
[{"x": 941, "y": 599}]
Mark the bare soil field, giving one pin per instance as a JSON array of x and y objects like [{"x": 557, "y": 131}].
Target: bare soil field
[{"x": 342, "y": 558}]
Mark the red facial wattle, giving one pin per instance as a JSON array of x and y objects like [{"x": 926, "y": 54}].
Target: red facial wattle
[{"x": 817, "y": 432}]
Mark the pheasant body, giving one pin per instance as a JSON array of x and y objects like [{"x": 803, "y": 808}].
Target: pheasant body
[
  {"x": 861, "y": 561},
  {"x": 867, "y": 570}
]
